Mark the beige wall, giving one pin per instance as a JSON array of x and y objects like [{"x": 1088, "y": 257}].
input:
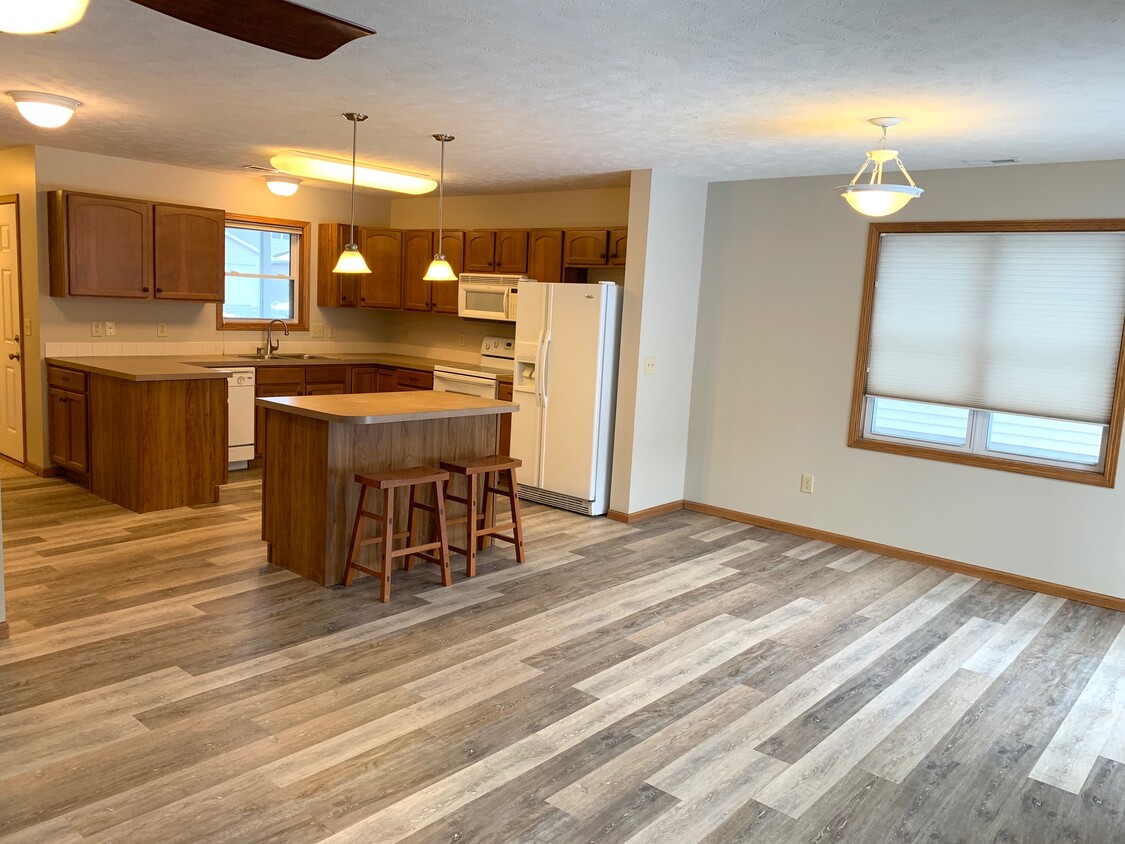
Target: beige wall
[
  {"x": 573, "y": 209},
  {"x": 779, "y": 312},
  {"x": 658, "y": 320}
]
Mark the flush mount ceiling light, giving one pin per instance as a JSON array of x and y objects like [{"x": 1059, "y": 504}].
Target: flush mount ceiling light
[
  {"x": 873, "y": 198},
  {"x": 46, "y": 110},
  {"x": 351, "y": 259},
  {"x": 439, "y": 268},
  {"x": 282, "y": 185},
  {"x": 328, "y": 169},
  {"x": 34, "y": 18}
]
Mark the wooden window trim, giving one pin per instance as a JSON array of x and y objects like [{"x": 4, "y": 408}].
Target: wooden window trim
[
  {"x": 303, "y": 282},
  {"x": 1106, "y": 477}
]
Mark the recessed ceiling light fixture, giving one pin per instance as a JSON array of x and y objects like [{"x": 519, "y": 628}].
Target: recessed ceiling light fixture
[
  {"x": 439, "y": 269},
  {"x": 873, "y": 198},
  {"x": 282, "y": 185},
  {"x": 49, "y": 111},
  {"x": 39, "y": 16},
  {"x": 351, "y": 259},
  {"x": 312, "y": 166}
]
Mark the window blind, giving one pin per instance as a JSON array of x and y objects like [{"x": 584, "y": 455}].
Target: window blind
[{"x": 1020, "y": 322}]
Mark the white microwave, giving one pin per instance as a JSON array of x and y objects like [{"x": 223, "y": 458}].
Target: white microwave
[{"x": 488, "y": 296}]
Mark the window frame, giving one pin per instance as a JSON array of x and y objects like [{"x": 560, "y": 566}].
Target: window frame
[
  {"x": 858, "y": 437},
  {"x": 300, "y": 295}
]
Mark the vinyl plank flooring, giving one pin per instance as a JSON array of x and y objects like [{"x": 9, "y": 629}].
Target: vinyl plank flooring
[{"x": 684, "y": 679}]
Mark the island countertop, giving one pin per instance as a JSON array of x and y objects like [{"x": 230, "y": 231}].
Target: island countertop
[{"x": 381, "y": 408}]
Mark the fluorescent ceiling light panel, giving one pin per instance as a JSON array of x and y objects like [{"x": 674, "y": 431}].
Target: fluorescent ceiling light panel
[
  {"x": 327, "y": 169},
  {"x": 33, "y": 17}
]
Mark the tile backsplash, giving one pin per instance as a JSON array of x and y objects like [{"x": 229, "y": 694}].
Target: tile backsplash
[{"x": 184, "y": 349}]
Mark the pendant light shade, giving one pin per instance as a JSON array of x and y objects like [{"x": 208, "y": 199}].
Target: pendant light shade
[
  {"x": 351, "y": 259},
  {"x": 38, "y": 16},
  {"x": 873, "y": 198},
  {"x": 439, "y": 269}
]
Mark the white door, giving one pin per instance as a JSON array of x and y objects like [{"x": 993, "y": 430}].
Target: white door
[
  {"x": 11, "y": 375},
  {"x": 572, "y": 389}
]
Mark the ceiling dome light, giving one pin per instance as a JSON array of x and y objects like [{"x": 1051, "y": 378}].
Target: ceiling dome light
[
  {"x": 39, "y": 16},
  {"x": 47, "y": 110},
  {"x": 873, "y": 198},
  {"x": 282, "y": 185}
]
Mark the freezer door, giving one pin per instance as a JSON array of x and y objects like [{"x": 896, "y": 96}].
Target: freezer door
[
  {"x": 526, "y": 442},
  {"x": 572, "y": 388}
]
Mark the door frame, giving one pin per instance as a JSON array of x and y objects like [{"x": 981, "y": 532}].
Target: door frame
[{"x": 14, "y": 199}]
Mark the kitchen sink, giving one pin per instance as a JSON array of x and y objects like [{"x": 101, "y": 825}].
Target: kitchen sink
[{"x": 276, "y": 356}]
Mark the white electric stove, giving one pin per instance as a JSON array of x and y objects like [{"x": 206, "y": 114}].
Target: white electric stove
[{"x": 497, "y": 358}]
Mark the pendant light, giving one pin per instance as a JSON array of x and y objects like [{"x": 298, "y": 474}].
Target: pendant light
[
  {"x": 40, "y": 16},
  {"x": 351, "y": 259},
  {"x": 439, "y": 268},
  {"x": 873, "y": 198}
]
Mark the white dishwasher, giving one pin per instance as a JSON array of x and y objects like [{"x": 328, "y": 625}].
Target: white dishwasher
[{"x": 240, "y": 416}]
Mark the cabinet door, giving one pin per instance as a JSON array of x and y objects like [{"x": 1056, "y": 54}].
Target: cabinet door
[
  {"x": 443, "y": 294},
  {"x": 334, "y": 290},
  {"x": 544, "y": 261},
  {"x": 79, "y": 426},
  {"x": 511, "y": 251},
  {"x": 189, "y": 247},
  {"x": 382, "y": 287},
  {"x": 294, "y": 387},
  {"x": 585, "y": 247},
  {"x": 363, "y": 379},
  {"x": 413, "y": 379},
  {"x": 618, "y": 240},
  {"x": 504, "y": 393},
  {"x": 66, "y": 424},
  {"x": 480, "y": 252},
  {"x": 386, "y": 380},
  {"x": 417, "y": 252},
  {"x": 330, "y": 389},
  {"x": 109, "y": 247}
]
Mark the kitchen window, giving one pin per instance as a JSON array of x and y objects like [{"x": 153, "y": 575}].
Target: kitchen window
[
  {"x": 996, "y": 345},
  {"x": 266, "y": 273}
]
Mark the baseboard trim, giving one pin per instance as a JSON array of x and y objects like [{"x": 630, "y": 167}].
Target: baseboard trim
[
  {"x": 1044, "y": 586},
  {"x": 48, "y": 472},
  {"x": 641, "y": 515},
  {"x": 4, "y": 632}
]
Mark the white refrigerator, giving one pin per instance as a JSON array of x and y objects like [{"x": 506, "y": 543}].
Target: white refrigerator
[{"x": 565, "y": 383}]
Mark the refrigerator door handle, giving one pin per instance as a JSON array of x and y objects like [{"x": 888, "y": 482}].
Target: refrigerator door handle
[
  {"x": 539, "y": 349},
  {"x": 541, "y": 379}
]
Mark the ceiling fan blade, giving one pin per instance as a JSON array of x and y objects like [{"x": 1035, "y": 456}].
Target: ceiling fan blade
[{"x": 274, "y": 24}]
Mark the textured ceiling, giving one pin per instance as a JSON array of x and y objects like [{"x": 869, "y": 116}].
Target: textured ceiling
[{"x": 575, "y": 93}]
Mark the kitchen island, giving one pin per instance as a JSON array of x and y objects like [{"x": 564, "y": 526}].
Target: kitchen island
[{"x": 315, "y": 445}]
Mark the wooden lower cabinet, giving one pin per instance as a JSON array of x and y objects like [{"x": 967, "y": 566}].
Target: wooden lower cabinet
[
  {"x": 504, "y": 393},
  {"x": 145, "y": 445}
]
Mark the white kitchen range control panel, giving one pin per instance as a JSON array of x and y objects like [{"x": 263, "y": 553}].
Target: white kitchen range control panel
[{"x": 498, "y": 347}]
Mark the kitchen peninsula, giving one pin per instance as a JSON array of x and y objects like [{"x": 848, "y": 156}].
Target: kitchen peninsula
[{"x": 315, "y": 445}]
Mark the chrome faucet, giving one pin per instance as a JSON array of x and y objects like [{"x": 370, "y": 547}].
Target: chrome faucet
[{"x": 273, "y": 345}]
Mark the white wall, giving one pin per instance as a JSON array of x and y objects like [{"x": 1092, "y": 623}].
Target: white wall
[
  {"x": 778, "y": 321},
  {"x": 662, "y": 278}
]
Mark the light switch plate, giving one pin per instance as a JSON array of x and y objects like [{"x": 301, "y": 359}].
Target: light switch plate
[
  {"x": 317, "y": 330},
  {"x": 97, "y": 328},
  {"x": 161, "y": 329}
]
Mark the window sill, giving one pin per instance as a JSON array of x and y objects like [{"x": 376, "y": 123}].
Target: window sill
[
  {"x": 260, "y": 325},
  {"x": 1102, "y": 477}
]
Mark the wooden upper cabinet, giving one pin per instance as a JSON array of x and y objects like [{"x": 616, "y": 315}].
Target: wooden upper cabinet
[
  {"x": 382, "y": 249},
  {"x": 189, "y": 253},
  {"x": 100, "y": 246},
  {"x": 511, "y": 251},
  {"x": 618, "y": 240},
  {"x": 443, "y": 294},
  {"x": 417, "y": 252},
  {"x": 480, "y": 252},
  {"x": 586, "y": 247},
  {"x": 334, "y": 290},
  {"x": 544, "y": 259}
]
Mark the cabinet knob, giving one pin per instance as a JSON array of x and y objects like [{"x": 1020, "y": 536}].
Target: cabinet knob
[
  {"x": 144, "y": 290},
  {"x": 602, "y": 255},
  {"x": 160, "y": 290}
]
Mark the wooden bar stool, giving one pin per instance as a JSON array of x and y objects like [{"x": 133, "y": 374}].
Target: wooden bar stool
[
  {"x": 388, "y": 482},
  {"x": 478, "y": 517}
]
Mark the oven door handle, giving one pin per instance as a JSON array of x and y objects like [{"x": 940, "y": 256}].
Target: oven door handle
[{"x": 464, "y": 379}]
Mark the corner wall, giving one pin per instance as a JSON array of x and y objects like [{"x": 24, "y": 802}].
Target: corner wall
[{"x": 778, "y": 324}]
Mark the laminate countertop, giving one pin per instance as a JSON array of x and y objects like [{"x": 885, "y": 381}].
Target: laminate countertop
[
  {"x": 381, "y": 408},
  {"x": 189, "y": 367}
]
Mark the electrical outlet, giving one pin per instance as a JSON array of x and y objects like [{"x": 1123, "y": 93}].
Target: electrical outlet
[
  {"x": 97, "y": 329},
  {"x": 806, "y": 483},
  {"x": 331, "y": 331},
  {"x": 161, "y": 329},
  {"x": 110, "y": 328},
  {"x": 317, "y": 330},
  {"x": 650, "y": 366},
  {"x": 460, "y": 339}
]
